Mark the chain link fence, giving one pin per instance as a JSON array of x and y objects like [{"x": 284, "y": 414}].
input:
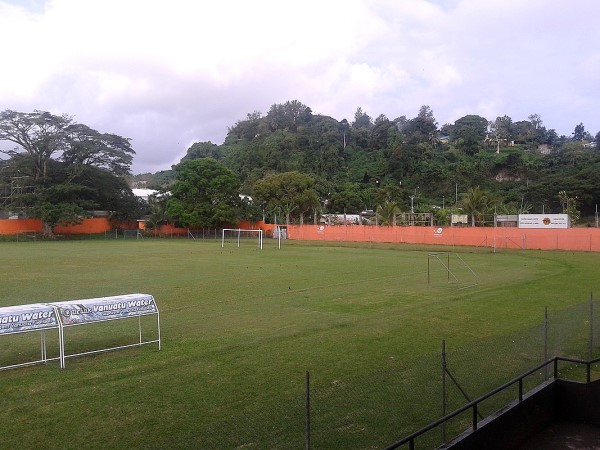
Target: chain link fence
[{"x": 377, "y": 409}]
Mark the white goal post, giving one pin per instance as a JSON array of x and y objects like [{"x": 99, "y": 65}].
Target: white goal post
[{"x": 240, "y": 232}]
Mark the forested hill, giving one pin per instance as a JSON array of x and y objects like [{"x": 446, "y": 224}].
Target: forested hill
[{"x": 359, "y": 165}]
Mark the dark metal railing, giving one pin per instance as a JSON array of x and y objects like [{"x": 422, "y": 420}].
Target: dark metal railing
[{"x": 473, "y": 405}]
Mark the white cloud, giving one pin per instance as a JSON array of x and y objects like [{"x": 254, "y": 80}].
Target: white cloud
[{"x": 167, "y": 74}]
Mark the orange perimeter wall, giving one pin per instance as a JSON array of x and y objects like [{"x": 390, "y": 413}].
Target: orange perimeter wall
[
  {"x": 581, "y": 239},
  {"x": 8, "y": 226},
  {"x": 87, "y": 226}
]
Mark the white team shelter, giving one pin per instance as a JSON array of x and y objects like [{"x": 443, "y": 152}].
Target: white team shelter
[
  {"x": 59, "y": 316},
  {"x": 37, "y": 317}
]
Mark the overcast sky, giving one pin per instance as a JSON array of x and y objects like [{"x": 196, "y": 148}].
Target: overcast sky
[{"x": 170, "y": 73}]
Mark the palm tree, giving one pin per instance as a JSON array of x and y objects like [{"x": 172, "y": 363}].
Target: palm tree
[
  {"x": 476, "y": 203},
  {"x": 386, "y": 213},
  {"x": 158, "y": 213}
]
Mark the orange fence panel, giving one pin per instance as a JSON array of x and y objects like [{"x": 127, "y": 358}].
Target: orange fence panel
[
  {"x": 87, "y": 226},
  {"x": 16, "y": 226},
  {"x": 578, "y": 239}
]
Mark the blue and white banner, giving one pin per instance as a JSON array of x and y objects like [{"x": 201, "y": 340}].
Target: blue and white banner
[
  {"x": 37, "y": 316},
  {"x": 105, "y": 308}
]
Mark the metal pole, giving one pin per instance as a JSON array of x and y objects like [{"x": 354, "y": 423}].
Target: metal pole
[
  {"x": 443, "y": 390},
  {"x": 428, "y": 270},
  {"x": 307, "y": 410},
  {"x": 545, "y": 342},
  {"x": 43, "y": 345},
  {"x": 591, "y": 349}
]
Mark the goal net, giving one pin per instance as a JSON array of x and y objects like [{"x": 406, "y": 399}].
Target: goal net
[
  {"x": 450, "y": 268},
  {"x": 133, "y": 234},
  {"x": 239, "y": 236}
]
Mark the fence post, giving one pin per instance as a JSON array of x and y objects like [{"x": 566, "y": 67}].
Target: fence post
[
  {"x": 591, "y": 349},
  {"x": 545, "y": 342},
  {"x": 443, "y": 390},
  {"x": 307, "y": 441},
  {"x": 428, "y": 272}
]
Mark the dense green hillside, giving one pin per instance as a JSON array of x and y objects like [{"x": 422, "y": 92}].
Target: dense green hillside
[{"x": 521, "y": 166}]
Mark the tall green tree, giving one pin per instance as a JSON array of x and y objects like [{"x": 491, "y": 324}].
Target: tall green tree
[
  {"x": 42, "y": 137},
  {"x": 501, "y": 131},
  {"x": 39, "y": 134},
  {"x": 469, "y": 132},
  {"x": 293, "y": 193},
  {"x": 206, "y": 194},
  {"x": 88, "y": 147},
  {"x": 203, "y": 150},
  {"x": 347, "y": 200},
  {"x": 579, "y": 134},
  {"x": 64, "y": 170},
  {"x": 362, "y": 119},
  {"x": 288, "y": 116},
  {"x": 71, "y": 192}
]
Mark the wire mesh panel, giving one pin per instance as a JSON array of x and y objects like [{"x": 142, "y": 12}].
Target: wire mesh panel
[{"x": 373, "y": 410}]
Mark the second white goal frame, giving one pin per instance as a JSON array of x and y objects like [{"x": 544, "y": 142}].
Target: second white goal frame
[
  {"x": 239, "y": 232},
  {"x": 444, "y": 259}
]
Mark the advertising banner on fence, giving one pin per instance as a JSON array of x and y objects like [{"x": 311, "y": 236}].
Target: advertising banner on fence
[
  {"x": 105, "y": 308},
  {"x": 37, "y": 316},
  {"x": 544, "y": 221}
]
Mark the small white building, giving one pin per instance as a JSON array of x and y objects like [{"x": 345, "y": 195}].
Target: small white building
[{"x": 144, "y": 194}]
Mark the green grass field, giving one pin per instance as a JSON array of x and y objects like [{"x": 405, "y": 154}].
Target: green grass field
[{"x": 241, "y": 327}]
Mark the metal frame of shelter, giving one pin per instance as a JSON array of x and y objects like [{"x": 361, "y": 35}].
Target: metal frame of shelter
[
  {"x": 27, "y": 319},
  {"x": 61, "y": 315}
]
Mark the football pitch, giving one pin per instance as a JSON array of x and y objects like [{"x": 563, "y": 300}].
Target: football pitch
[{"x": 241, "y": 327}]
